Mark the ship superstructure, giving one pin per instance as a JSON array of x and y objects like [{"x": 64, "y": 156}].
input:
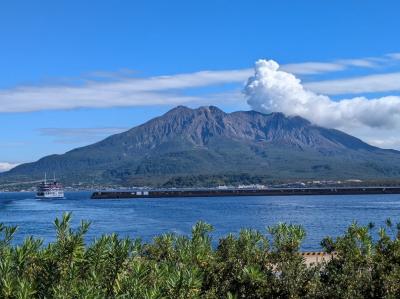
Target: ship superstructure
[{"x": 50, "y": 189}]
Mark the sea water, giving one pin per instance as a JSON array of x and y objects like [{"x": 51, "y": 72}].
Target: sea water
[{"x": 321, "y": 216}]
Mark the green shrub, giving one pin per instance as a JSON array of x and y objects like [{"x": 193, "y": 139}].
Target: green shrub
[{"x": 365, "y": 264}]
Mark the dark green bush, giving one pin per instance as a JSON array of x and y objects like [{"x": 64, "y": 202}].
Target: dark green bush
[{"x": 247, "y": 265}]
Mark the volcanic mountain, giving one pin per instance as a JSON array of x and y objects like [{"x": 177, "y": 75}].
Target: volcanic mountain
[{"x": 189, "y": 146}]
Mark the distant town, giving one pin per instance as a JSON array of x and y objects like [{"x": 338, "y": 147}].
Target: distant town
[{"x": 295, "y": 184}]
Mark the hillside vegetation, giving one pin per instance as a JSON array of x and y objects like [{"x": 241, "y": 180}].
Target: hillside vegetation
[
  {"x": 196, "y": 146},
  {"x": 250, "y": 264}
]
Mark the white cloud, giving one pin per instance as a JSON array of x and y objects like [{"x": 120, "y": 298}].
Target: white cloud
[
  {"x": 5, "y": 166},
  {"x": 273, "y": 90},
  {"x": 115, "y": 90},
  {"x": 394, "y": 56},
  {"x": 85, "y": 132},
  {"x": 162, "y": 90},
  {"x": 388, "y": 143},
  {"x": 364, "y": 84},
  {"x": 79, "y": 135},
  {"x": 311, "y": 68}
]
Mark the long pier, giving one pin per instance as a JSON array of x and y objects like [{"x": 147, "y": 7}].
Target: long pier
[{"x": 244, "y": 192}]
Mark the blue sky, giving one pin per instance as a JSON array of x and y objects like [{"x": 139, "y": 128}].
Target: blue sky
[{"x": 72, "y": 72}]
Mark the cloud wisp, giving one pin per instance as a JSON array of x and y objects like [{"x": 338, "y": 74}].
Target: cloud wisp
[
  {"x": 79, "y": 135},
  {"x": 314, "y": 68},
  {"x": 161, "y": 90},
  {"x": 5, "y": 166},
  {"x": 170, "y": 90},
  {"x": 365, "y": 84},
  {"x": 273, "y": 90}
]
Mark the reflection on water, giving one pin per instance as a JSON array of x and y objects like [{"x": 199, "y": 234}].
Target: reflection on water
[{"x": 145, "y": 218}]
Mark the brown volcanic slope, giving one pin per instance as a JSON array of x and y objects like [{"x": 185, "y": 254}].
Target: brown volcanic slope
[{"x": 207, "y": 141}]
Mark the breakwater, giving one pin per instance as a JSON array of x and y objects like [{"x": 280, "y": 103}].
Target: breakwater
[{"x": 244, "y": 192}]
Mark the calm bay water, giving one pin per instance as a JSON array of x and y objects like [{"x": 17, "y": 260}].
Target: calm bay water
[{"x": 145, "y": 218}]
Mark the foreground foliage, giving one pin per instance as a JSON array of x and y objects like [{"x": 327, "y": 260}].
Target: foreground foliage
[{"x": 247, "y": 265}]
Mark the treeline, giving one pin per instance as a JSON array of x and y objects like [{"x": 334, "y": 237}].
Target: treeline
[
  {"x": 247, "y": 265},
  {"x": 213, "y": 180},
  {"x": 216, "y": 180}
]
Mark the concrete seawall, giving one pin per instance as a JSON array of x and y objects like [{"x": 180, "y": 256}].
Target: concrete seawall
[{"x": 244, "y": 192}]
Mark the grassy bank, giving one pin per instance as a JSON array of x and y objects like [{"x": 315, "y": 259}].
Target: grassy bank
[{"x": 251, "y": 264}]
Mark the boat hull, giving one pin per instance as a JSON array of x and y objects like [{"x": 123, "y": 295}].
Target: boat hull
[{"x": 50, "y": 197}]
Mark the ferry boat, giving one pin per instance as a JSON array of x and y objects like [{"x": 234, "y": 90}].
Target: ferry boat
[{"x": 49, "y": 190}]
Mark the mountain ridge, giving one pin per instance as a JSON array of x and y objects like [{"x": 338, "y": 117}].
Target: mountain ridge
[{"x": 187, "y": 142}]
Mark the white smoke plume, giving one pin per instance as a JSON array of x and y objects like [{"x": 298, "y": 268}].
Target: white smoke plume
[{"x": 274, "y": 90}]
